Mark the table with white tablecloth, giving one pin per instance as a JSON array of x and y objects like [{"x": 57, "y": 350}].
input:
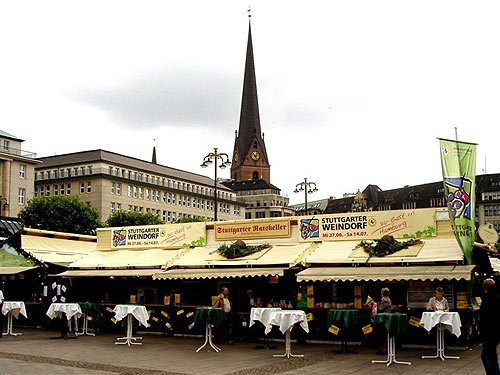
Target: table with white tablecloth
[
  {"x": 263, "y": 315},
  {"x": 129, "y": 311},
  {"x": 285, "y": 320},
  {"x": 13, "y": 309},
  {"x": 449, "y": 320},
  {"x": 58, "y": 309}
]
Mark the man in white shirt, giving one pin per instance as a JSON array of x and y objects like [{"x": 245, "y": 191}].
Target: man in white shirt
[{"x": 438, "y": 302}]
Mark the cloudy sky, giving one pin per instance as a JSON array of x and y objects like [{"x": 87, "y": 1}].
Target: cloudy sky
[{"x": 350, "y": 92}]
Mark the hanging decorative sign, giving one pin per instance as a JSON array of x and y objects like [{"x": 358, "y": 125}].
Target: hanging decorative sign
[
  {"x": 163, "y": 236},
  {"x": 416, "y": 223},
  {"x": 252, "y": 230}
]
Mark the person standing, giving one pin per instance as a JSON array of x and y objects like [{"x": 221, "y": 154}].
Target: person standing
[
  {"x": 223, "y": 302},
  {"x": 384, "y": 306},
  {"x": 438, "y": 302},
  {"x": 1, "y": 315},
  {"x": 489, "y": 327}
]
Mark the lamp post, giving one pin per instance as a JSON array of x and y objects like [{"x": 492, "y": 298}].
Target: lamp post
[
  {"x": 306, "y": 187},
  {"x": 207, "y": 160}
]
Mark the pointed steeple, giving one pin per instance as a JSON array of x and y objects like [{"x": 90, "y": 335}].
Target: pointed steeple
[
  {"x": 153, "y": 159},
  {"x": 250, "y": 156}
]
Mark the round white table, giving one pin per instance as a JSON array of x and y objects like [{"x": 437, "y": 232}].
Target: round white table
[
  {"x": 285, "y": 320},
  {"x": 449, "y": 320},
  {"x": 13, "y": 309},
  {"x": 129, "y": 311}
]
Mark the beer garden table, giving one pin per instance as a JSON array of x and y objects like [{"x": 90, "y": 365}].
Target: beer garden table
[
  {"x": 137, "y": 311},
  {"x": 348, "y": 319},
  {"x": 443, "y": 320},
  {"x": 210, "y": 316},
  {"x": 395, "y": 324},
  {"x": 86, "y": 307},
  {"x": 12, "y": 309},
  {"x": 57, "y": 309},
  {"x": 263, "y": 315},
  {"x": 285, "y": 320}
]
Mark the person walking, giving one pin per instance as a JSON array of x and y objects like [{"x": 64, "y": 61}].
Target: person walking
[{"x": 489, "y": 327}]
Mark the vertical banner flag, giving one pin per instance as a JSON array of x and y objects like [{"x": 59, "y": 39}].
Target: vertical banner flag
[{"x": 458, "y": 161}]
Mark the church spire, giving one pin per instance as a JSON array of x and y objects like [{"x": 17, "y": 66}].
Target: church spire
[{"x": 250, "y": 157}]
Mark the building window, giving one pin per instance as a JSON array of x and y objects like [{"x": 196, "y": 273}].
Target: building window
[
  {"x": 62, "y": 189},
  {"x": 22, "y": 171},
  {"x": 134, "y": 193},
  {"x": 21, "y": 196},
  {"x": 255, "y": 175},
  {"x": 90, "y": 169},
  {"x": 82, "y": 187},
  {"x": 89, "y": 186},
  {"x": 113, "y": 187},
  {"x": 148, "y": 196},
  {"x": 248, "y": 215},
  {"x": 56, "y": 189},
  {"x": 140, "y": 193},
  {"x": 68, "y": 189},
  {"x": 6, "y": 145},
  {"x": 47, "y": 190},
  {"x": 260, "y": 214},
  {"x": 118, "y": 188}
]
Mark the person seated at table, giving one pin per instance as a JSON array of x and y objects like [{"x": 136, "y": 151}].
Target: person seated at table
[
  {"x": 385, "y": 304},
  {"x": 438, "y": 302}
]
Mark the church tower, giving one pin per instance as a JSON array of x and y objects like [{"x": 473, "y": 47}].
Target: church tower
[{"x": 250, "y": 161}]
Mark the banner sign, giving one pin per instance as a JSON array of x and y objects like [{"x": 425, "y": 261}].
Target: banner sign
[
  {"x": 458, "y": 162},
  {"x": 163, "y": 236},
  {"x": 252, "y": 230},
  {"x": 416, "y": 223}
]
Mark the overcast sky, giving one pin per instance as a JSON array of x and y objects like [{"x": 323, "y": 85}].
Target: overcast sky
[{"x": 351, "y": 93}]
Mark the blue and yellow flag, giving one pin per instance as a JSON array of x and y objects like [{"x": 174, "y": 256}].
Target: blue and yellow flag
[{"x": 458, "y": 161}]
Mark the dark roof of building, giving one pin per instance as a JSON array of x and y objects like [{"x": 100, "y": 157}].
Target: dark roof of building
[
  {"x": 124, "y": 161},
  {"x": 409, "y": 193},
  {"x": 9, "y": 226},
  {"x": 320, "y": 204},
  {"x": 488, "y": 182},
  {"x": 250, "y": 185},
  {"x": 340, "y": 205},
  {"x": 10, "y": 136}
]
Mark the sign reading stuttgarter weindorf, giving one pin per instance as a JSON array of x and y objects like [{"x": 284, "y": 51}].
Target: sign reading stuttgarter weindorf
[
  {"x": 368, "y": 225},
  {"x": 159, "y": 236},
  {"x": 252, "y": 230}
]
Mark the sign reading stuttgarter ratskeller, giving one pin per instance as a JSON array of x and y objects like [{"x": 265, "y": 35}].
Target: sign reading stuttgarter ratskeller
[{"x": 252, "y": 230}]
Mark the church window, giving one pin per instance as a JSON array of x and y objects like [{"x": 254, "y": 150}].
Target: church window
[{"x": 255, "y": 175}]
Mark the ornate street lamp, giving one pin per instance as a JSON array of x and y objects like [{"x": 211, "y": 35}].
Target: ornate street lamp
[
  {"x": 307, "y": 187},
  {"x": 207, "y": 160}
]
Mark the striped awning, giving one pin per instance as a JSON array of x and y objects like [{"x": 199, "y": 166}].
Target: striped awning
[
  {"x": 107, "y": 273},
  {"x": 212, "y": 273},
  {"x": 451, "y": 272},
  {"x": 14, "y": 270}
]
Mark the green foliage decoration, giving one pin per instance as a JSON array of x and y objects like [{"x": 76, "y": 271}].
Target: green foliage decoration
[
  {"x": 386, "y": 245},
  {"x": 239, "y": 249}
]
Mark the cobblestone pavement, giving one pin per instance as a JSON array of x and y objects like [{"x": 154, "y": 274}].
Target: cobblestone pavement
[{"x": 34, "y": 352}]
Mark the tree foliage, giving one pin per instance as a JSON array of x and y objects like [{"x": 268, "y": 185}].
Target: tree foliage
[
  {"x": 60, "y": 213},
  {"x": 131, "y": 218},
  {"x": 185, "y": 219}
]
